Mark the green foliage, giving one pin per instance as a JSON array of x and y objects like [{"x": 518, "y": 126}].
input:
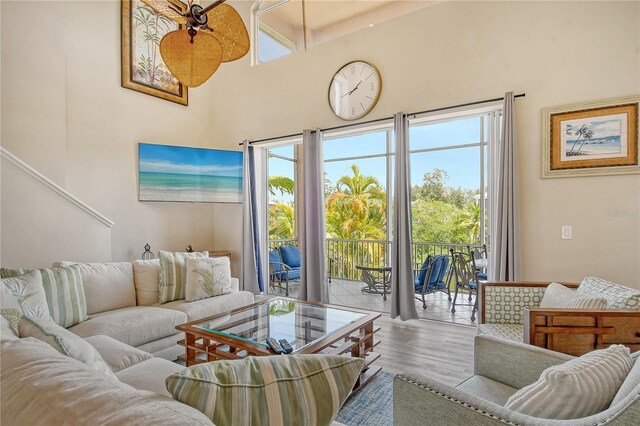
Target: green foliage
[
  {"x": 282, "y": 223},
  {"x": 281, "y": 184}
]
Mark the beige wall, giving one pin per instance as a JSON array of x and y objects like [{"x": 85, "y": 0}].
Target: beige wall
[
  {"x": 63, "y": 111},
  {"x": 455, "y": 52}
]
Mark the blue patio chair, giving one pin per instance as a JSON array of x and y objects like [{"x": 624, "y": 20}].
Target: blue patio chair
[
  {"x": 278, "y": 272},
  {"x": 478, "y": 253},
  {"x": 466, "y": 278},
  {"x": 290, "y": 256},
  {"x": 430, "y": 278}
]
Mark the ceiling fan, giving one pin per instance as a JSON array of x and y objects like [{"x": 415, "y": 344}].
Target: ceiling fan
[{"x": 209, "y": 36}]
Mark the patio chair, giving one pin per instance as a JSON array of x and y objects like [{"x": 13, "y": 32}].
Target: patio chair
[
  {"x": 478, "y": 253},
  {"x": 430, "y": 278},
  {"x": 465, "y": 279},
  {"x": 290, "y": 256},
  {"x": 278, "y": 272}
]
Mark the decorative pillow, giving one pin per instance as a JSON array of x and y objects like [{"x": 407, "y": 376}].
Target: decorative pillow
[
  {"x": 64, "y": 342},
  {"x": 558, "y": 296},
  {"x": 207, "y": 277},
  {"x": 13, "y": 273},
  {"x": 146, "y": 278},
  {"x": 270, "y": 390},
  {"x": 173, "y": 274},
  {"x": 25, "y": 294},
  {"x": 578, "y": 388},
  {"x": 618, "y": 296},
  {"x": 65, "y": 295}
]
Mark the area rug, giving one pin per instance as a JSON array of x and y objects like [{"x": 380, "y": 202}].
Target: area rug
[{"x": 372, "y": 406}]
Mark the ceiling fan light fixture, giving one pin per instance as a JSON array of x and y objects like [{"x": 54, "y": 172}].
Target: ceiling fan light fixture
[{"x": 192, "y": 60}]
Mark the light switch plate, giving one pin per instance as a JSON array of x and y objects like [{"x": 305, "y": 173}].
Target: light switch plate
[{"x": 567, "y": 232}]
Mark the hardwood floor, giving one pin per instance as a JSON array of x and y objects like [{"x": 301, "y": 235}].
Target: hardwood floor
[{"x": 435, "y": 349}]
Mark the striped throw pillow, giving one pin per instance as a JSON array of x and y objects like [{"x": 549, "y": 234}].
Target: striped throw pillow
[
  {"x": 558, "y": 296},
  {"x": 578, "y": 388},
  {"x": 173, "y": 274},
  {"x": 65, "y": 295},
  {"x": 271, "y": 390}
]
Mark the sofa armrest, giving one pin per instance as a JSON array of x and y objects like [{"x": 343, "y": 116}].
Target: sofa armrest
[
  {"x": 512, "y": 363},
  {"x": 501, "y": 302},
  {"x": 578, "y": 331}
]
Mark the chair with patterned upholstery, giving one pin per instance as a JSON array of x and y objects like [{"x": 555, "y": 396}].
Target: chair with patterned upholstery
[
  {"x": 432, "y": 277},
  {"x": 511, "y": 310},
  {"x": 465, "y": 278},
  {"x": 478, "y": 253}
]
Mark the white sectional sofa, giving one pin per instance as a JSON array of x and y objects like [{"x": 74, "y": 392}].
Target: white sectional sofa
[{"x": 122, "y": 302}]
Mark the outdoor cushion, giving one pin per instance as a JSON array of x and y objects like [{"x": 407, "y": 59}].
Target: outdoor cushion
[
  {"x": 146, "y": 278},
  {"x": 270, "y": 390},
  {"x": 207, "y": 277},
  {"x": 40, "y": 386},
  {"x": 488, "y": 389},
  {"x": 436, "y": 281},
  {"x": 25, "y": 293},
  {"x": 274, "y": 260},
  {"x": 150, "y": 375},
  {"x": 107, "y": 286},
  {"x": 134, "y": 326},
  {"x": 293, "y": 274},
  {"x": 618, "y": 296},
  {"x": 117, "y": 355},
  {"x": 211, "y": 306},
  {"x": 291, "y": 256}
]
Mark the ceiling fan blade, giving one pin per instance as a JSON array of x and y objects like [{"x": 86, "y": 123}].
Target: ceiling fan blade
[
  {"x": 229, "y": 29},
  {"x": 191, "y": 63},
  {"x": 172, "y": 9}
]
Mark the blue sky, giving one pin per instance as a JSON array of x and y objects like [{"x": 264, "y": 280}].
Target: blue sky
[
  {"x": 189, "y": 161},
  {"x": 462, "y": 164},
  {"x": 270, "y": 48}
]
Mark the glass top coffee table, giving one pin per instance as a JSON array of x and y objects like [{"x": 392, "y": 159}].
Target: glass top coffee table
[{"x": 310, "y": 328}]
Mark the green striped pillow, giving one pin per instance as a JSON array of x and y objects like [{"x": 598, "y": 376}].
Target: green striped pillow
[
  {"x": 13, "y": 273},
  {"x": 270, "y": 390},
  {"x": 65, "y": 295},
  {"x": 173, "y": 274}
]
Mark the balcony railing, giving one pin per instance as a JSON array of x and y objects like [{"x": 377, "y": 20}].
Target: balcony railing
[{"x": 344, "y": 255}]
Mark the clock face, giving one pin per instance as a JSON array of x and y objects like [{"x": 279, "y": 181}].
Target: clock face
[{"x": 355, "y": 90}]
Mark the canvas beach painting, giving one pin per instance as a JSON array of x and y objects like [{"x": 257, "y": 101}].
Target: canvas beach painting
[
  {"x": 183, "y": 174},
  {"x": 591, "y": 139}
]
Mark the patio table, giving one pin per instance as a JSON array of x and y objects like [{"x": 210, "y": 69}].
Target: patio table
[{"x": 377, "y": 280}]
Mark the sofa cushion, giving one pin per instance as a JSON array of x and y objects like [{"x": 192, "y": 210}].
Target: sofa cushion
[
  {"x": 65, "y": 295},
  {"x": 271, "y": 390},
  {"x": 117, "y": 355},
  {"x": 207, "y": 277},
  {"x": 173, "y": 274},
  {"x": 578, "y": 388},
  {"x": 63, "y": 341},
  {"x": 211, "y": 306},
  {"x": 134, "y": 326},
  {"x": 504, "y": 331},
  {"x": 107, "y": 286},
  {"x": 631, "y": 382},
  {"x": 26, "y": 294},
  {"x": 150, "y": 375},
  {"x": 488, "y": 389},
  {"x": 146, "y": 278},
  {"x": 618, "y": 296},
  {"x": 558, "y": 296},
  {"x": 39, "y": 386}
]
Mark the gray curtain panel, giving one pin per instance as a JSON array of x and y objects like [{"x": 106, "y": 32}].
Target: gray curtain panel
[
  {"x": 252, "y": 277},
  {"x": 402, "y": 294},
  {"x": 504, "y": 232},
  {"x": 313, "y": 280}
]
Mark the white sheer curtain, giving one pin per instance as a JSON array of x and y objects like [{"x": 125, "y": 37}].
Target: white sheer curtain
[
  {"x": 313, "y": 280},
  {"x": 253, "y": 213},
  {"x": 402, "y": 294},
  {"x": 504, "y": 225}
]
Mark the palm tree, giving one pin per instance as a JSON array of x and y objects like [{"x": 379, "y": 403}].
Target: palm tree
[
  {"x": 360, "y": 193},
  {"x": 282, "y": 222},
  {"x": 282, "y": 184},
  {"x": 587, "y": 135},
  {"x": 583, "y": 133},
  {"x": 469, "y": 220}
]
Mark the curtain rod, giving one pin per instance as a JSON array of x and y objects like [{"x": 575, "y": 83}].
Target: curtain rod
[{"x": 377, "y": 120}]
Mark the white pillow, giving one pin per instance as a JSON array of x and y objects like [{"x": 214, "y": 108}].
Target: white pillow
[
  {"x": 146, "y": 278},
  {"x": 558, "y": 296},
  {"x": 578, "y": 388},
  {"x": 26, "y": 294},
  {"x": 64, "y": 341},
  {"x": 207, "y": 277}
]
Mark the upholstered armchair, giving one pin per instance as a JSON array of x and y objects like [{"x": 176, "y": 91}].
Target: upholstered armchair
[
  {"x": 501, "y": 368},
  {"x": 511, "y": 310}
]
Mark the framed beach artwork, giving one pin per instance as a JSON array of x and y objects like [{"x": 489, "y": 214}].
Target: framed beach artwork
[
  {"x": 591, "y": 139},
  {"x": 143, "y": 69},
  {"x": 193, "y": 175}
]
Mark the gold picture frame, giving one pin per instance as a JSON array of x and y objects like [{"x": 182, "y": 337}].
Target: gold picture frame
[
  {"x": 143, "y": 69},
  {"x": 591, "y": 138}
]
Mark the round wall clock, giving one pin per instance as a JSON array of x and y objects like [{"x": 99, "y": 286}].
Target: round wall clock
[{"x": 355, "y": 90}]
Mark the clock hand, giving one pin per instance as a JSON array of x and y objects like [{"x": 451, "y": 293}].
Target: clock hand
[{"x": 350, "y": 92}]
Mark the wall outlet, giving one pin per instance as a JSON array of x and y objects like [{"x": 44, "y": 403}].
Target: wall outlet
[{"x": 567, "y": 232}]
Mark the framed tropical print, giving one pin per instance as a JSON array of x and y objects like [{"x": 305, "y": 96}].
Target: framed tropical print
[
  {"x": 591, "y": 139},
  {"x": 143, "y": 69}
]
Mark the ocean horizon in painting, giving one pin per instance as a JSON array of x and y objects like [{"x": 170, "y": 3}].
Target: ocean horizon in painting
[{"x": 197, "y": 175}]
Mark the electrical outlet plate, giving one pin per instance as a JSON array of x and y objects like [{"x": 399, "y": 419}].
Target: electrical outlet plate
[{"x": 567, "y": 232}]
